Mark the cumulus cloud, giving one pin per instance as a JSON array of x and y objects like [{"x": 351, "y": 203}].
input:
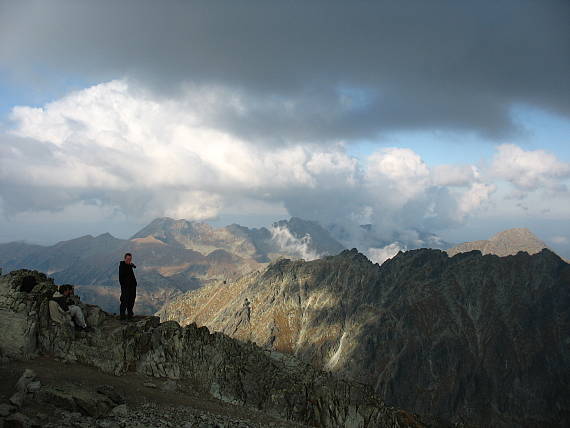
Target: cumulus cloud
[
  {"x": 529, "y": 170},
  {"x": 455, "y": 175},
  {"x": 289, "y": 244},
  {"x": 380, "y": 255},
  {"x": 118, "y": 146},
  {"x": 310, "y": 71}
]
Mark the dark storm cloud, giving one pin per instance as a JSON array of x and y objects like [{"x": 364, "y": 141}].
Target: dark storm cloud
[{"x": 313, "y": 70}]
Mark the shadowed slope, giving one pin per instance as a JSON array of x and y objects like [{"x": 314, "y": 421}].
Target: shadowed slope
[{"x": 472, "y": 337}]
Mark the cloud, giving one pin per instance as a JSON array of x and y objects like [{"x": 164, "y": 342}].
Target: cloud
[
  {"x": 316, "y": 71},
  {"x": 455, "y": 175},
  {"x": 117, "y": 146},
  {"x": 289, "y": 244},
  {"x": 380, "y": 255},
  {"x": 529, "y": 170},
  {"x": 399, "y": 168}
]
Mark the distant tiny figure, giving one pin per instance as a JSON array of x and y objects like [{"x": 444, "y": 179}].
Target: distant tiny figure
[
  {"x": 63, "y": 297},
  {"x": 128, "y": 286}
]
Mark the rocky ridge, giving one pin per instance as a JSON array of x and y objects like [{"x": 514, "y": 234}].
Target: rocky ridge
[
  {"x": 470, "y": 338},
  {"x": 506, "y": 243},
  {"x": 235, "y": 372}
]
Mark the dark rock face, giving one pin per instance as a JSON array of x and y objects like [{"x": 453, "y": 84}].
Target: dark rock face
[
  {"x": 235, "y": 372},
  {"x": 472, "y": 338}
]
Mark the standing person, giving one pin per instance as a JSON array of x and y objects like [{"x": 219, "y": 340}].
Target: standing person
[{"x": 128, "y": 286}]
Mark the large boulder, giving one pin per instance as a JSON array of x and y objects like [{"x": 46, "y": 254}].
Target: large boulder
[{"x": 22, "y": 294}]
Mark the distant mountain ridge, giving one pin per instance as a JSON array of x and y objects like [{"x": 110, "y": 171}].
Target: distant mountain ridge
[
  {"x": 173, "y": 256},
  {"x": 293, "y": 238},
  {"x": 176, "y": 256},
  {"x": 505, "y": 243}
]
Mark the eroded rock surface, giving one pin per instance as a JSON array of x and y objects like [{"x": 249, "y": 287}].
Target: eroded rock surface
[
  {"x": 235, "y": 372},
  {"x": 472, "y": 338}
]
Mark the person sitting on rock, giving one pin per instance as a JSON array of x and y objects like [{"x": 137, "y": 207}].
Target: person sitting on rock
[{"x": 64, "y": 300}]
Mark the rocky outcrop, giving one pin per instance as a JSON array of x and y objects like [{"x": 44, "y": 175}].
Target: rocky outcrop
[
  {"x": 506, "y": 243},
  {"x": 471, "y": 338},
  {"x": 233, "y": 371}
]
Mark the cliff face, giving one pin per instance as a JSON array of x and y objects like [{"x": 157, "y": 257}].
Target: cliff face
[
  {"x": 232, "y": 371},
  {"x": 469, "y": 338}
]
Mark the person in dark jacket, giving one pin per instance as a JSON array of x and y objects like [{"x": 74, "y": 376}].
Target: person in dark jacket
[{"x": 128, "y": 286}]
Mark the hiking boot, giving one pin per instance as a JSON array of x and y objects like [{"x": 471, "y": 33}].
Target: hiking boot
[{"x": 122, "y": 317}]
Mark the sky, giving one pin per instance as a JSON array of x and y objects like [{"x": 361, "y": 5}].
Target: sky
[{"x": 447, "y": 117}]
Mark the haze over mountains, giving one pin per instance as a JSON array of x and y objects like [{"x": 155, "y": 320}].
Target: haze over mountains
[{"x": 175, "y": 256}]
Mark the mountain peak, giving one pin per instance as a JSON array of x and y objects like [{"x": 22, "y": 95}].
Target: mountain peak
[
  {"x": 516, "y": 233},
  {"x": 506, "y": 243},
  {"x": 105, "y": 236}
]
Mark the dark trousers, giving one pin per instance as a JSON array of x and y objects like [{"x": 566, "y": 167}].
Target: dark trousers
[{"x": 128, "y": 296}]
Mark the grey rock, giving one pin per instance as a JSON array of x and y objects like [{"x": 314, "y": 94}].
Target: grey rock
[
  {"x": 120, "y": 411},
  {"x": 169, "y": 385},
  {"x": 24, "y": 381},
  {"x": 18, "y": 398},
  {"x": 34, "y": 386},
  {"x": 6, "y": 409},
  {"x": 110, "y": 392},
  {"x": 92, "y": 405},
  {"x": 75, "y": 399},
  {"x": 18, "y": 420},
  {"x": 58, "y": 397},
  {"x": 19, "y": 330},
  {"x": 150, "y": 385},
  {"x": 106, "y": 424},
  {"x": 94, "y": 316}
]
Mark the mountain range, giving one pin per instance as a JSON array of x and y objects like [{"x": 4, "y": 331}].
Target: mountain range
[
  {"x": 176, "y": 256},
  {"x": 475, "y": 334},
  {"x": 472, "y": 338},
  {"x": 173, "y": 256}
]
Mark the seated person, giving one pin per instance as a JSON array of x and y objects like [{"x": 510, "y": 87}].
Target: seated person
[{"x": 67, "y": 304}]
